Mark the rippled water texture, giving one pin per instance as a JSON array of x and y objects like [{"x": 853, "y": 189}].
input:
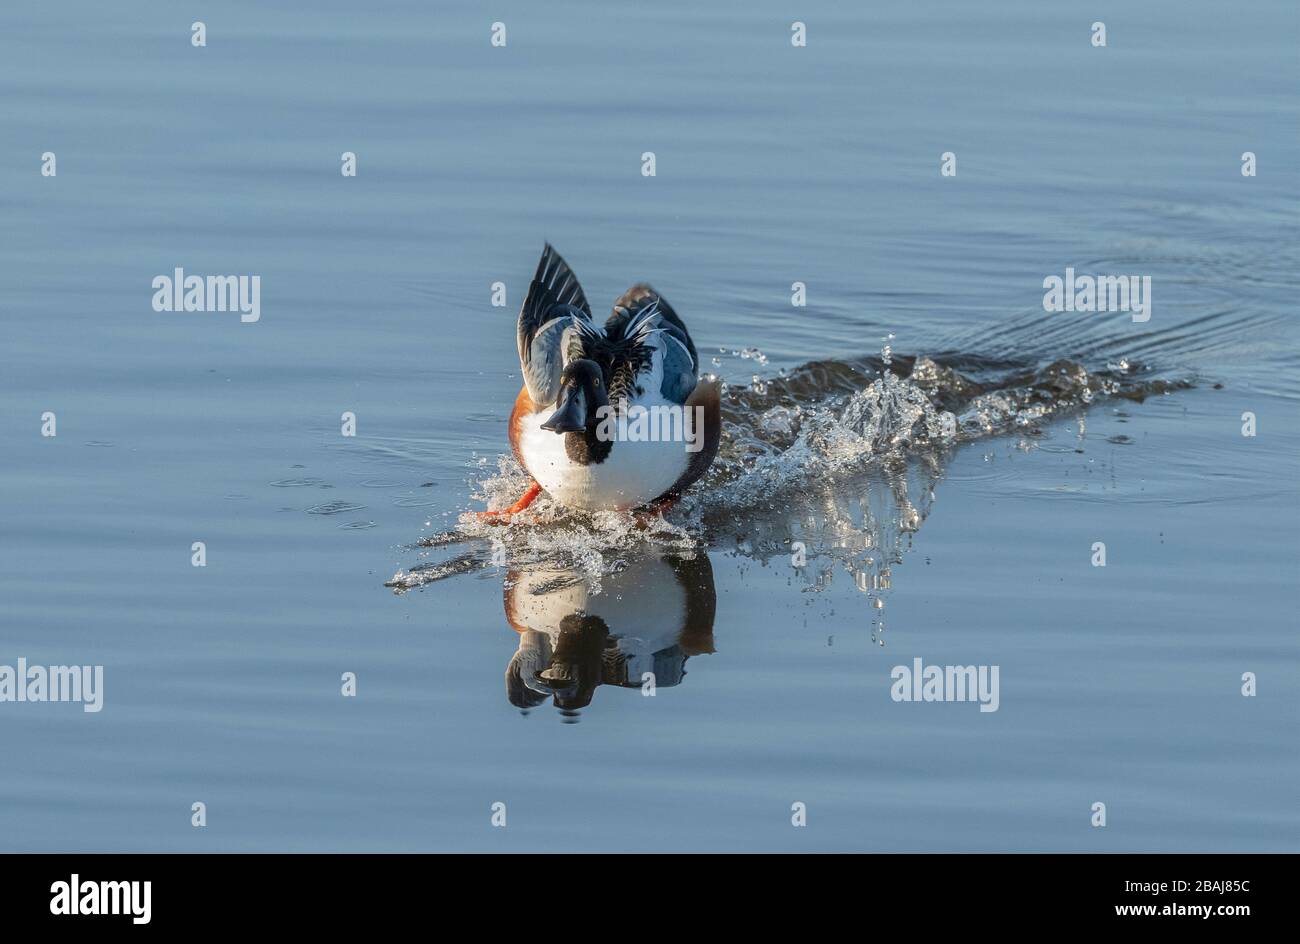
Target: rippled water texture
[{"x": 918, "y": 464}]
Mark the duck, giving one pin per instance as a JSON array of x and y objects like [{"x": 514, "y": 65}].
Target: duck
[
  {"x": 609, "y": 417},
  {"x": 647, "y": 618}
]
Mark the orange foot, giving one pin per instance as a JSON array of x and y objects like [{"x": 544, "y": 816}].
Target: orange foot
[
  {"x": 503, "y": 516},
  {"x": 656, "y": 509}
]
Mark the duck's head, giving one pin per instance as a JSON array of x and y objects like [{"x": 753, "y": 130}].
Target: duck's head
[
  {"x": 582, "y": 393},
  {"x": 575, "y": 669}
]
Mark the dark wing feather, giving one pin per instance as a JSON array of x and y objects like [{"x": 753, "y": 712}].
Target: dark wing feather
[
  {"x": 641, "y": 310},
  {"x": 555, "y": 302}
]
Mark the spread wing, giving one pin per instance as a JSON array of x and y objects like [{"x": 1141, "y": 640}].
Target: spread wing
[
  {"x": 642, "y": 317},
  {"x": 555, "y": 316}
]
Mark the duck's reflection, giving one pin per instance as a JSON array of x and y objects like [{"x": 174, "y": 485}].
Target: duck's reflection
[{"x": 635, "y": 628}]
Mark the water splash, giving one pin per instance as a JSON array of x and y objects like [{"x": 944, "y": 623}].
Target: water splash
[{"x": 838, "y": 457}]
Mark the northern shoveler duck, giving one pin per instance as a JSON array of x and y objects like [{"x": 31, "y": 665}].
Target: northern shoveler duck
[
  {"x": 610, "y": 417},
  {"x": 648, "y": 617}
]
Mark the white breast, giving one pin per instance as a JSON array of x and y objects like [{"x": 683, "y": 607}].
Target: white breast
[
  {"x": 645, "y": 605},
  {"x": 632, "y": 474}
]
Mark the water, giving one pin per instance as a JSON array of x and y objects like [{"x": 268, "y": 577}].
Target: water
[{"x": 774, "y": 164}]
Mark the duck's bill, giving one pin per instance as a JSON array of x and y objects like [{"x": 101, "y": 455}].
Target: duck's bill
[
  {"x": 570, "y": 415},
  {"x": 558, "y": 675}
]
